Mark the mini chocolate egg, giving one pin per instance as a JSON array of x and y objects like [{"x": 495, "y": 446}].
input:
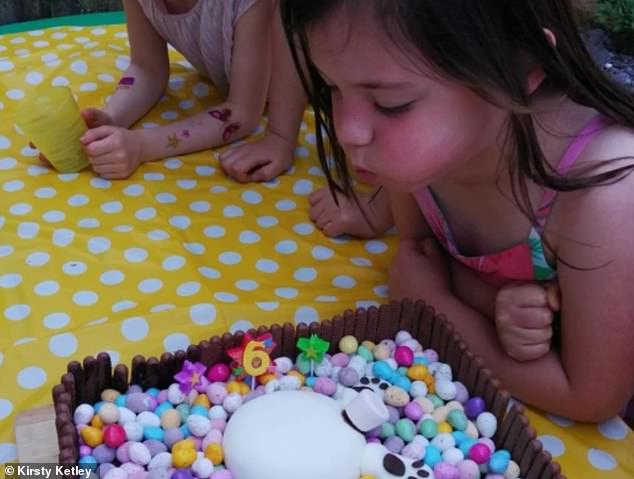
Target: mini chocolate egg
[
  {"x": 183, "y": 458},
  {"x": 148, "y": 419},
  {"x": 202, "y": 400},
  {"x": 414, "y": 451},
  {"x": 323, "y": 368},
  {"x": 103, "y": 454},
  {"x": 487, "y": 424},
  {"x": 170, "y": 418},
  {"x": 213, "y": 436},
  {"x": 163, "y": 460},
  {"x": 445, "y": 389},
  {"x": 83, "y": 414},
  {"x": 440, "y": 414},
  {"x": 325, "y": 386},
  {"x": 116, "y": 473},
  {"x": 340, "y": 360},
  {"x": 174, "y": 394},
  {"x": 391, "y": 345},
  {"x": 395, "y": 396},
  {"x": 114, "y": 435},
  {"x": 172, "y": 436},
  {"x": 218, "y": 412},
  {"x": 140, "y": 454},
  {"x": 219, "y": 372},
  {"x": 404, "y": 356},
  {"x": 92, "y": 436},
  {"x": 160, "y": 473},
  {"x": 369, "y": 345},
  {"x": 402, "y": 336},
  {"x": 443, "y": 371},
  {"x": 283, "y": 364},
  {"x": 125, "y": 415},
  {"x": 133, "y": 431},
  {"x": 472, "y": 430},
  {"x": 109, "y": 395},
  {"x": 381, "y": 352},
  {"x": 217, "y": 392},
  {"x": 155, "y": 446},
  {"x": 97, "y": 422},
  {"x": 233, "y": 387},
  {"x": 443, "y": 441},
  {"x": 215, "y": 453},
  {"x": 452, "y": 455},
  {"x": 132, "y": 468},
  {"x": 418, "y": 389},
  {"x": 203, "y": 468},
  {"x": 199, "y": 425},
  {"x": 138, "y": 402},
  {"x": 348, "y": 377},
  {"x": 468, "y": 469},
  {"x": 348, "y": 344},
  {"x": 512, "y": 471}
]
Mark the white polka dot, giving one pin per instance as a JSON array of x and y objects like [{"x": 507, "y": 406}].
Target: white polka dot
[
  {"x": 252, "y": 197},
  {"x": 8, "y": 163},
  {"x": 56, "y": 320},
  {"x": 89, "y": 223},
  {"x": 268, "y": 305},
  {"x": 381, "y": 291},
  {"x": 112, "y": 207},
  {"x": 242, "y": 325},
  {"x": 375, "y": 247},
  {"x": 134, "y": 190},
  {"x": 54, "y": 216},
  {"x": 134, "y": 329},
  {"x": 80, "y": 67},
  {"x": 195, "y": 248},
  {"x": 202, "y": 314},
  {"x": 209, "y": 273},
  {"x": 63, "y": 237},
  {"x": 302, "y": 152},
  {"x": 173, "y": 263},
  {"x": 200, "y": 206},
  {"x": 20, "y": 209},
  {"x": 29, "y": 152},
  {"x": 267, "y": 221},
  {"x": 60, "y": 81},
  {"x": 74, "y": 268},
  {"x": 188, "y": 289},
  {"x": 100, "y": 183},
  {"x": 286, "y": 247},
  {"x": 614, "y": 429},
  {"x": 45, "y": 193},
  {"x": 49, "y": 57},
  {"x": 28, "y": 230},
  {"x": 8, "y": 452},
  {"x": 560, "y": 421},
  {"x": 58, "y": 35},
  {"x": 135, "y": 255},
  {"x": 122, "y": 63},
  {"x": 285, "y": 205},
  {"x": 150, "y": 286},
  {"x": 324, "y": 298},
  {"x": 112, "y": 278},
  {"x": 175, "y": 342},
  {"x": 249, "y": 237},
  {"x": 145, "y": 214},
  {"x": 10, "y": 280},
  {"x": 28, "y": 339},
  {"x": 186, "y": 104},
  {"x": 601, "y": 460},
  {"x": 214, "y": 231},
  {"x": 158, "y": 235},
  {"x": 303, "y": 187},
  {"x": 85, "y": 298},
  {"x": 200, "y": 90},
  {"x": 267, "y": 266},
  {"x": 46, "y": 288},
  {"x": 15, "y": 94},
  {"x": 31, "y": 378},
  {"x": 99, "y": 245},
  {"x": 6, "y": 66},
  {"x": 230, "y": 258},
  {"x": 176, "y": 83},
  {"x": 366, "y": 304},
  {"x": 226, "y": 297},
  {"x": 124, "y": 305},
  {"x": 305, "y": 275},
  {"x": 340, "y": 239},
  {"x": 34, "y": 78},
  {"x": 6, "y": 250},
  {"x": 170, "y": 115},
  {"x": 99, "y": 321},
  {"x": 5, "y": 409},
  {"x": 553, "y": 445},
  {"x": 5, "y": 143},
  {"x": 180, "y": 222},
  {"x": 37, "y": 170},
  {"x": 345, "y": 282},
  {"x": 173, "y": 163},
  {"x": 310, "y": 138},
  {"x": 303, "y": 229},
  {"x": 17, "y": 312},
  {"x": 88, "y": 86},
  {"x": 363, "y": 262},
  {"x": 12, "y": 186},
  {"x": 162, "y": 307},
  {"x": 247, "y": 285},
  {"x": 114, "y": 356},
  {"x": 218, "y": 189},
  {"x": 165, "y": 198},
  {"x": 205, "y": 170},
  {"x": 232, "y": 211},
  {"x": 151, "y": 126},
  {"x": 63, "y": 345},
  {"x": 306, "y": 315},
  {"x": 78, "y": 200},
  {"x": 123, "y": 228},
  {"x": 322, "y": 253},
  {"x": 287, "y": 293},
  {"x": 187, "y": 184}
]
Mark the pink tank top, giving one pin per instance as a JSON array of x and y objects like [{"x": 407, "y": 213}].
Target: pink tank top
[
  {"x": 204, "y": 35},
  {"x": 525, "y": 261}
]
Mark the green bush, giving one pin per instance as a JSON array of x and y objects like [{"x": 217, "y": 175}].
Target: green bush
[{"x": 617, "y": 17}]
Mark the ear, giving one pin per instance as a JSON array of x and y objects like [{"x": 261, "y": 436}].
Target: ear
[{"x": 536, "y": 74}]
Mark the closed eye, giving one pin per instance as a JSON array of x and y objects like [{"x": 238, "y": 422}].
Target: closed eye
[{"x": 393, "y": 110}]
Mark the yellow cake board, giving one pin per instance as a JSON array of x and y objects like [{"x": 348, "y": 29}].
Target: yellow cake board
[{"x": 36, "y": 436}]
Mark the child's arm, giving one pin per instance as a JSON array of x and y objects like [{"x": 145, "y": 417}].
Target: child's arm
[
  {"x": 594, "y": 376},
  {"x": 117, "y": 153},
  {"x": 143, "y": 83},
  {"x": 273, "y": 154}
]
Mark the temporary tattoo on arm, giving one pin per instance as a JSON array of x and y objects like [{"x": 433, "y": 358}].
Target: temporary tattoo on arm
[
  {"x": 173, "y": 141},
  {"x": 230, "y": 131},
  {"x": 186, "y": 133},
  {"x": 126, "y": 82},
  {"x": 223, "y": 115}
]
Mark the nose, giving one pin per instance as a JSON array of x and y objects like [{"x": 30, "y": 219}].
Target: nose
[{"x": 352, "y": 123}]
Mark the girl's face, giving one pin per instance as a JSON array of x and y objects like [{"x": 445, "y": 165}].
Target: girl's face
[{"x": 401, "y": 128}]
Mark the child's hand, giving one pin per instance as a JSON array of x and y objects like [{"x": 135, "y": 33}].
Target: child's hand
[
  {"x": 262, "y": 160},
  {"x": 523, "y": 318},
  {"x": 419, "y": 270},
  {"x": 347, "y": 217},
  {"x": 114, "y": 153}
]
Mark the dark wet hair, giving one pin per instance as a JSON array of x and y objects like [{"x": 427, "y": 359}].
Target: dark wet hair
[{"x": 485, "y": 45}]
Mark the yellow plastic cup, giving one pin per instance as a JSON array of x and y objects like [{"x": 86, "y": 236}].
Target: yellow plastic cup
[{"x": 52, "y": 122}]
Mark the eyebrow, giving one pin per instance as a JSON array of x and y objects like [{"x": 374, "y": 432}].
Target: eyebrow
[{"x": 374, "y": 85}]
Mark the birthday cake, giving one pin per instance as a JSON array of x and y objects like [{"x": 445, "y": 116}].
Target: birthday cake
[{"x": 389, "y": 392}]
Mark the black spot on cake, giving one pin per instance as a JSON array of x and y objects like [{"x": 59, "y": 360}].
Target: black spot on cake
[{"x": 393, "y": 465}]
